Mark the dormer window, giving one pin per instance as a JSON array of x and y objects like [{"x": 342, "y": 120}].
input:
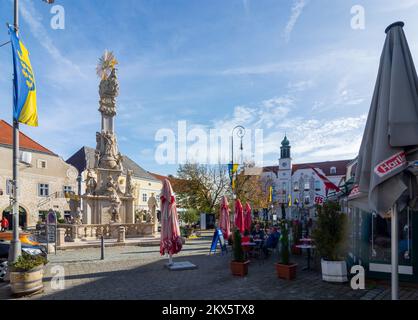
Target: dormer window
[{"x": 333, "y": 170}]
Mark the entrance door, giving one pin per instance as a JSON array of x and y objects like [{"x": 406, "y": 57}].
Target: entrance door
[
  {"x": 380, "y": 245},
  {"x": 8, "y": 214}
]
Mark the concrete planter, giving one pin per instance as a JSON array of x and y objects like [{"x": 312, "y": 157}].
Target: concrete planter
[
  {"x": 287, "y": 272},
  {"x": 23, "y": 283},
  {"x": 334, "y": 271},
  {"x": 239, "y": 268}
]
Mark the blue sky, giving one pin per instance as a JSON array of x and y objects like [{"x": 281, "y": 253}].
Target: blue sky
[{"x": 293, "y": 66}]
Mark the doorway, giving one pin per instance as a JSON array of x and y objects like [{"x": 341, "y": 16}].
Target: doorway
[{"x": 8, "y": 214}]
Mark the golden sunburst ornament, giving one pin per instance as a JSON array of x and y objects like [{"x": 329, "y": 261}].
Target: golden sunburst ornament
[{"x": 106, "y": 64}]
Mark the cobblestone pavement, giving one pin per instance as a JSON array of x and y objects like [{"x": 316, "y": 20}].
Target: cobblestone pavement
[{"x": 134, "y": 272}]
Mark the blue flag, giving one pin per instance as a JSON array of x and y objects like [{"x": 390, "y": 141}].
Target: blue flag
[{"x": 24, "y": 88}]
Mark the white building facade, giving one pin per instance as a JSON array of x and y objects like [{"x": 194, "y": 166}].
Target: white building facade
[{"x": 297, "y": 188}]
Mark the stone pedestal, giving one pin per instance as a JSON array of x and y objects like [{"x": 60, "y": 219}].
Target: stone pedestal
[
  {"x": 121, "y": 234},
  {"x": 51, "y": 248},
  {"x": 60, "y": 237}
]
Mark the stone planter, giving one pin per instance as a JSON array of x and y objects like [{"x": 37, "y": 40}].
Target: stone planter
[
  {"x": 239, "y": 268},
  {"x": 287, "y": 272},
  {"x": 334, "y": 271},
  {"x": 23, "y": 283}
]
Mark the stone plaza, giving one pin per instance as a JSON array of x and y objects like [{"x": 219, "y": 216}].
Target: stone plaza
[{"x": 138, "y": 272}]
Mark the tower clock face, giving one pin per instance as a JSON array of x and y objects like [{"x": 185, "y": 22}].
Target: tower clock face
[{"x": 284, "y": 164}]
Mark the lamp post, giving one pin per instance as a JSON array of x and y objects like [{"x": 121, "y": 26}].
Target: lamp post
[
  {"x": 240, "y": 132},
  {"x": 15, "y": 245}
]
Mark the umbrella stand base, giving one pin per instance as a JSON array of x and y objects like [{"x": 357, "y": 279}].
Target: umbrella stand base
[{"x": 180, "y": 266}]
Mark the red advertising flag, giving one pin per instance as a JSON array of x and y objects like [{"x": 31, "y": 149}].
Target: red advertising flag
[{"x": 319, "y": 200}]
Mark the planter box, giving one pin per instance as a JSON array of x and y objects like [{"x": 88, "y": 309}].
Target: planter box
[
  {"x": 287, "y": 272},
  {"x": 27, "y": 282},
  {"x": 239, "y": 268},
  {"x": 334, "y": 271}
]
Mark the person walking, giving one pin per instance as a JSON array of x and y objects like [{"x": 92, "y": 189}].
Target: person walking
[{"x": 4, "y": 224}]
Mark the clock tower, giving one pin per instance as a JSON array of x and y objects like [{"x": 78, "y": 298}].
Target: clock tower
[{"x": 285, "y": 176}]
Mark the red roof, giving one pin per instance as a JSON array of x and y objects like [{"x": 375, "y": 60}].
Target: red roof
[
  {"x": 25, "y": 143},
  {"x": 340, "y": 165},
  {"x": 326, "y": 166},
  {"x": 158, "y": 176}
]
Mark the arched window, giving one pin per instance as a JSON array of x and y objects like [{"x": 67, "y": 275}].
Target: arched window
[{"x": 333, "y": 170}]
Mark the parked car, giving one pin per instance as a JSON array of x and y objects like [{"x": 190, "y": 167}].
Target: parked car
[
  {"x": 25, "y": 237},
  {"x": 33, "y": 250}
]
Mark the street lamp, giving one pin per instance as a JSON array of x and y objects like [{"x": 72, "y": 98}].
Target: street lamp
[
  {"x": 15, "y": 245},
  {"x": 240, "y": 132}
]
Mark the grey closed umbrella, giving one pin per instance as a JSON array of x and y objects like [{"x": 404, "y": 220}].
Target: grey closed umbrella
[{"x": 390, "y": 137}]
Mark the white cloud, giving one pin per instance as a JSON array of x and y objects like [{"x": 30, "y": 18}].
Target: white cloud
[
  {"x": 297, "y": 9},
  {"x": 300, "y": 85},
  {"x": 246, "y": 4},
  {"x": 33, "y": 19}
]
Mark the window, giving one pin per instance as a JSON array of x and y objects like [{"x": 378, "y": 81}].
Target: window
[
  {"x": 144, "y": 197},
  {"x": 9, "y": 187},
  {"x": 68, "y": 189},
  {"x": 43, "y": 190},
  {"x": 307, "y": 186},
  {"x": 42, "y": 215},
  {"x": 296, "y": 186},
  {"x": 67, "y": 216},
  {"x": 333, "y": 170},
  {"x": 307, "y": 200},
  {"x": 42, "y": 164},
  {"x": 317, "y": 185}
]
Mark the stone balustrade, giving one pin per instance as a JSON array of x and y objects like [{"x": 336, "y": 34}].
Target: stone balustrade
[{"x": 74, "y": 232}]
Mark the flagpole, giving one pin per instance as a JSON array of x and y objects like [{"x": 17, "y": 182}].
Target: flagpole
[{"x": 15, "y": 245}]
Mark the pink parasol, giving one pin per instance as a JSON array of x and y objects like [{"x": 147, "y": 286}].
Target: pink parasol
[
  {"x": 247, "y": 217},
  {"x": 224, "y": 223},
  {"x": 170, "y": 242},
  {"x": 239, "y": 216}
]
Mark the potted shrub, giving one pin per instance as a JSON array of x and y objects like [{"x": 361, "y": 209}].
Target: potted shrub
[
  {"x": 26, "y": 274},
  {"x": 296, "y": 235},
  {"x": 239, "y": 266},
  {"x": 330, "y": 237},
  {"x": 285, "y": 269}
]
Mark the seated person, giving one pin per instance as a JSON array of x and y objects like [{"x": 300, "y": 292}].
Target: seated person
[
  {"x": 272, "y": 240},
  {"x": 258, "y": 233},
  {"x": 246, "y": 237}
]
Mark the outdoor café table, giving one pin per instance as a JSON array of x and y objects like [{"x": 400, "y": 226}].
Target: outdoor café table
[{"x": 308, "y": 247}]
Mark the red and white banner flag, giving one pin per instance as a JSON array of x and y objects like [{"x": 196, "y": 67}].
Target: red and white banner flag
[{"x": 328, "y": 184}]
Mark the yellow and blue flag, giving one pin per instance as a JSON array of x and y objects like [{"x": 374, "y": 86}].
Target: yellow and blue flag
[{"x": 24, "y": 88}]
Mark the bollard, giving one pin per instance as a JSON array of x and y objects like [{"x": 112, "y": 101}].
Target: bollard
[{"x": 102, "y": 248}]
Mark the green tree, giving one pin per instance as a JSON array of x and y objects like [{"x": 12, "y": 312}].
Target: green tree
[
  {"x": 331, "y": 232},
  {"x": 189, "y": 217},
  {"x": 201, "y": 187}
]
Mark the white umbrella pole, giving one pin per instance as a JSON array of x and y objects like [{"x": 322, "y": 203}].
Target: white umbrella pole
[
  {"x": 395, "y": 251},
  {"x": 170, "y": 259}
]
